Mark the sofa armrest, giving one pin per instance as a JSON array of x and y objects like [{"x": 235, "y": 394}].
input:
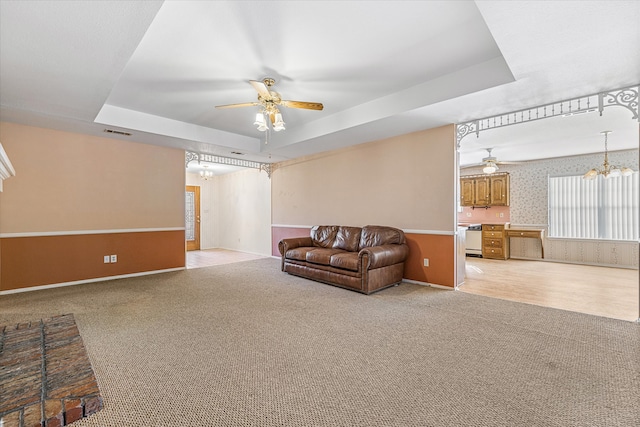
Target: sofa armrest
[
  {"x": 380, "y": 256},
  {"x": 295, "y": 242}
]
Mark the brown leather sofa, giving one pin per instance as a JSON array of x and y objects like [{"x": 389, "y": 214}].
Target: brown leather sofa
[{"x": 363, "y": 259}]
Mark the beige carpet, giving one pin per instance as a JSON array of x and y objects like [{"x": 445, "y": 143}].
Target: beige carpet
[{"x": 246, "y": 345}]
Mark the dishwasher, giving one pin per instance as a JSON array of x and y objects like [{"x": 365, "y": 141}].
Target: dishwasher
[{"x": 473, "y": 239}]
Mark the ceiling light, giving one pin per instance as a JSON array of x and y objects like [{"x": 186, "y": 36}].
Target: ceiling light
[
  {"x": 608, "y": 170},
  {"x": 278, "y": 125},
  {"x": 206, "y": 174},
  {"x": 490, "y": 168},
  {"x": 260, "y": 122}
]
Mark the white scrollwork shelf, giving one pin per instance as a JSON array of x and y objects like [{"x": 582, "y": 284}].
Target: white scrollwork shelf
[
  {"x": 191, "y": 156},
  {"x": 6, "y": 168},
  {"x": 625, "y": 97}
]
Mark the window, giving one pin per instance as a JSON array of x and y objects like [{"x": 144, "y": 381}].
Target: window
[{"x": 604, "y": 208}]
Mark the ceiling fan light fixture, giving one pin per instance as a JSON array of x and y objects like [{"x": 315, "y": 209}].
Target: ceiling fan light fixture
[
  {"x": 268, "y": 102},
  {"x": 278, "y": 125},
  {"x": 490, "y": 168},
  {"x": 260, "y": 122}
]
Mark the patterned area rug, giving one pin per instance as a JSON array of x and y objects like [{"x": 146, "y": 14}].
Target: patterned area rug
[{"x": 45, "y": 375}]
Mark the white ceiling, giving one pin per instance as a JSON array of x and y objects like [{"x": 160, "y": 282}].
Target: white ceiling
[{"x": 381, "y": 68}]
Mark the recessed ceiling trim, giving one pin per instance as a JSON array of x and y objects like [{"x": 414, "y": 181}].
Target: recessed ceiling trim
[{"x": 626, "y": 97}]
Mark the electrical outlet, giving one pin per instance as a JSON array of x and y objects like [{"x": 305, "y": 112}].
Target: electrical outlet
[
  {"x": 468, "y": 214},
  {"x": 107, "y": 259},
  {"x": 114, "y": 258},
  {"x": 426, "y": 262},
  {"x": 501, "y": 214}
]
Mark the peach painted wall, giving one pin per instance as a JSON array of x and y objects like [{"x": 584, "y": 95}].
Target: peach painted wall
[
  {"x": 87, "y": 195},
  {"x": 408, "y": 182},
  {"x": 68, "y": 181}
]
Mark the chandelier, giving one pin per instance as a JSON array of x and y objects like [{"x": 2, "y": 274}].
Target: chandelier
[
  {"x": 206, "y": 174},
  {"x": 608, "y": 170}
]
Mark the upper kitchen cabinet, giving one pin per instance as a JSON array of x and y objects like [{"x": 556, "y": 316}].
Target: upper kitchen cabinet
[
  {"x": 499, "y": 190},
  {"x": 485, "y": 190}
]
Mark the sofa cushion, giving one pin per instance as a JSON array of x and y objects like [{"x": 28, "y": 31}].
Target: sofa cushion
[
  {"x": 322, "y": 255},
  {"x": 348, "y": 238},
  {"x": 347, "y": 261},
  {"x": 375, "y": 235},
  {"x": 324, "y": 235},
  {"x": 298, "y": 253}
]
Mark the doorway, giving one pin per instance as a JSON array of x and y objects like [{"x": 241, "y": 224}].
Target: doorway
[{"x": 192, "y": 217}]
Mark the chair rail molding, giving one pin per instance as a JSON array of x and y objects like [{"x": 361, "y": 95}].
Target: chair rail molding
[{"x": 6, "y": 168}]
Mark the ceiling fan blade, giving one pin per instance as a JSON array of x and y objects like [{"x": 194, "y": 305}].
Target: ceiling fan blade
[
  {"x": 302, "y": 104},
  {"x": 471, "y": 166},
  {"x": 262, "y": 88},
  {"x": 245, "y": 104}
]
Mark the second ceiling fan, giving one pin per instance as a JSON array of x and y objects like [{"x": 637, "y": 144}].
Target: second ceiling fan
[
  {"x": 490, "y": 163},
  {"x": 270, "y": 100}
]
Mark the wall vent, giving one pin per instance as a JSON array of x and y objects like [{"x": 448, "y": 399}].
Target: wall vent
[{"x": 117, "y": 132}]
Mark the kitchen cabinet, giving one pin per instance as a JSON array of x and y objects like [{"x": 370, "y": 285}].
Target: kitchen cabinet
[
  {"x": 495, "y": 244},
  {"x": 499, "y": 190},
  {"x": 484, "y": 190}
]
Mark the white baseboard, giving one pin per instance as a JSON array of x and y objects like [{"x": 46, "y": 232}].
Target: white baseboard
[
  {"x": 81, "y": 282},
  {"x": 431, "y": 285}
]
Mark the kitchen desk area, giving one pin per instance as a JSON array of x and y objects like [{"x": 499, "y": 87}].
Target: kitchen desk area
[
  {"x": 493, "y": 240},
  {"x": 527, "y": 233}
]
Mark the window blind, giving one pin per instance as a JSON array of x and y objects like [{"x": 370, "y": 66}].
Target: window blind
[{"x": 604, "y": 208}]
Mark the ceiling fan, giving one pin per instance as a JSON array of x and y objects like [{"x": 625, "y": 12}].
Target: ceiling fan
[
  {"x": 269, "y": 101},
  {"x": 490, "y": 163}
]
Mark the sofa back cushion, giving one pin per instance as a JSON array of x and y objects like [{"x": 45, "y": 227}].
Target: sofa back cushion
[
  {"x": 376, "y": 235},
  {"x": 336, "y": 237},
  {"x": 348, "y": 238},
  {"x": 324, "y": 235}
]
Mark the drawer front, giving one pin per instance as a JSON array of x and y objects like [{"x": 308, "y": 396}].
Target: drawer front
[
  {"x": 534, "y": 234},
  {"x": 493, "y": 243},
  {"x": 493, "y": 252},
  {"x": 494, "y": 227},
  {"x": 494, "y": 234}
]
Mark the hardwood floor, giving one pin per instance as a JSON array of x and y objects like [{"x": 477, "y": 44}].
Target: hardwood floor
[
  {"x": 601, "y": 291},
  {"x": 210, "y": 257}
]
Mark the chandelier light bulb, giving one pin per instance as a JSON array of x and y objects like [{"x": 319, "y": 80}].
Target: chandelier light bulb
[{"x": 591, "y": 175}]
